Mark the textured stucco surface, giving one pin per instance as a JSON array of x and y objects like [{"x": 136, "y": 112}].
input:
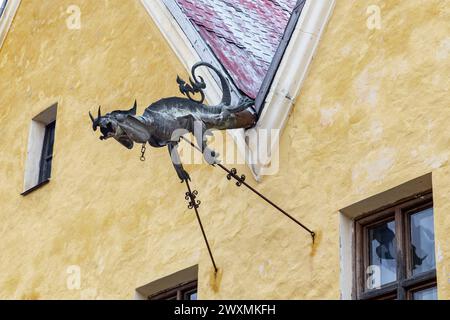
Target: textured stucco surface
[{"x": 373, "y": 114}]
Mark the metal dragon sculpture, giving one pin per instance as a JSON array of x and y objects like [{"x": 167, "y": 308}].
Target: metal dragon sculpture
[{"x": 164, "y": 121}]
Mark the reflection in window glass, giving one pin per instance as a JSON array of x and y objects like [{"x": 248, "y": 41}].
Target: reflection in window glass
[
  {"x": 193, "y": 296},
  {"x": 190, "y": 295},
  {"x": 422, "y": 241},
  {"x": 427, "y": 294},
  {"x": 383, "y": 251}
]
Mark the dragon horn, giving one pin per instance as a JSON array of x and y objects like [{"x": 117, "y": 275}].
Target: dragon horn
[
  {"x": 133, "y": 110},
  {"x": 92, "y": 118},
  {"x": 99, "y": 111}
]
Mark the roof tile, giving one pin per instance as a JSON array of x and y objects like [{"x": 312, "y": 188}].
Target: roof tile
[{"x": 243, "y": 34}]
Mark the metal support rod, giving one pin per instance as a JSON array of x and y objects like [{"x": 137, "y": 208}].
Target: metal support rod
[
  {"x": 194, "y": 205},
  {"x": 241, "y": 181}
]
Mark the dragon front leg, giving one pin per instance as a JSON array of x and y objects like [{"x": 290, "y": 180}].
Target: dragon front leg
[{"x": 176, "y": 161}]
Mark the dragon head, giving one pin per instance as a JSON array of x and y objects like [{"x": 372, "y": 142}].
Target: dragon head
[{"x": 111, "y": 125}]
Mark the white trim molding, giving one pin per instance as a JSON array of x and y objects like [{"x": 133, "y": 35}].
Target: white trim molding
[
  {"x": 7, "y": 18},
  {"x": 285, "y": 87}
]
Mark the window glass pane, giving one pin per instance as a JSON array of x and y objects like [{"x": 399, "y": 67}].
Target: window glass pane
[
  {"x": 422, "y": 241},
  {"x": 382, "y": 254},
  {"x": 427, "y": 294},
  {"x": 190, "y": 295},
  {"x": 193, "y": 296}
]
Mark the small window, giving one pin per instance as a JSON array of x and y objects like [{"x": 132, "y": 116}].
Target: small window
[
  {"x": 395, "y": 256},
  {"x": 181, "y": 285},
  {"x": 187, "y": 291},
  {"x": 40, "y": 150}
]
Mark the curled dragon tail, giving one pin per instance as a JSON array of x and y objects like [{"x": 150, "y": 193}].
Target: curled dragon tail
[{"x": 197, "y": 84}]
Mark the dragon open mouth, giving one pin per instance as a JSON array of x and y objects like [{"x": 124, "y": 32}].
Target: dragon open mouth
[
  {"x": 111, "y": 130},
  {"x": 107, "y": 131}
]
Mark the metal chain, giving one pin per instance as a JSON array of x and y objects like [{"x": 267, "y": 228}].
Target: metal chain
[{"x": 143, "y": 149}]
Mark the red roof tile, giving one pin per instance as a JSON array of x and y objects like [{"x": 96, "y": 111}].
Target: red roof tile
[{"x": 243, "y": 34}]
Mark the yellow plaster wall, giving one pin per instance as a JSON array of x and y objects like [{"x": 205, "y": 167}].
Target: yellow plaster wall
[{"x": 372, "y": 114}]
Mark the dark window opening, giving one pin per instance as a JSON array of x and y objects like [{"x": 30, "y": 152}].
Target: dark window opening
[
  {"x": 185, "y": 291},
  {"x": 394, "y": 251},
  {"x": 45, "y": 166}
]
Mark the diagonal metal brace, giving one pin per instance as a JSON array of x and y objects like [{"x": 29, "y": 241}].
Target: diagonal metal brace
[
  {"x": 232, "y": 174},
  {"x": 191, "y": 196}
]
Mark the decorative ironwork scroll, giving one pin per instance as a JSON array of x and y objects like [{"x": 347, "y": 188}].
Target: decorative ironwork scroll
[{"x": 232, "y": 174}]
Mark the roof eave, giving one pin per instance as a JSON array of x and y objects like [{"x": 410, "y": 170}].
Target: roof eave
[
  {"x": 282, "y": 86},
  {"x": 279, "y": 54}
]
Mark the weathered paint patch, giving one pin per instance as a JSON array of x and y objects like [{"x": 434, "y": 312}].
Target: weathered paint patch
[
  {"x": 327, "y": 115},
  {"x": 374, "y": 166},
  {"x": 443, "y": 51}
]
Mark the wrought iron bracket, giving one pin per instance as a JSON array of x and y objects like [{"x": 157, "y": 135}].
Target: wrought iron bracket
[
  {"x": 233, "y": 174},
  {"x": 191, "y": 196}
]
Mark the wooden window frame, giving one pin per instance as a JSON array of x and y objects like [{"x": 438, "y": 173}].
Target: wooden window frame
[
  {"x": 410, "y": 294},
  {"x": 406, "y": 283},
  {"x": 178, "y": 292}
]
